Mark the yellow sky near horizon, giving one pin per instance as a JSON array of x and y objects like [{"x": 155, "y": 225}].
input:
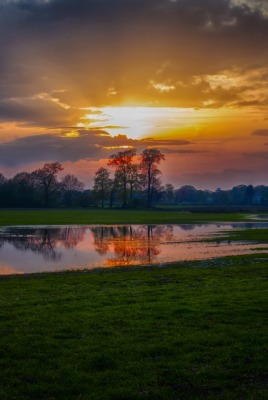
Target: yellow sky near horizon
[{"x": 172, "y": 122}]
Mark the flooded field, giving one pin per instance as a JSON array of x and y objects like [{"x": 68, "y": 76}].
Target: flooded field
[{"x": 31, "y": 249}]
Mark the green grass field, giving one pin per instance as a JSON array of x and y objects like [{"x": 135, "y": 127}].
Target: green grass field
[
  {"x": 177, "y": 332},
  {"x": 60, "y": 217}
]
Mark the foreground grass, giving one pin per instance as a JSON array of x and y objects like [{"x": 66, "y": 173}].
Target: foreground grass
[
  {"x": 98, "y": 216},
  {"x": 156, "y": 333}
]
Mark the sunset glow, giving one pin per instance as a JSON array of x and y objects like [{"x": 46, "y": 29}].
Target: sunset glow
[
  {"x": 142, "y": 122},
  {"x": 189, "y": 78}
]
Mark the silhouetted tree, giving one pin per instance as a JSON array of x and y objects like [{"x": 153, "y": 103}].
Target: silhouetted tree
[
  {"x": 102, "y": 185},
  {"x": 70, "y": 187},
  {"x": 46, "y": 178},
  {"x": 150, "y": 159},
  {"x": 2, "y": 179},
  {"x": 122, "y": 162},
  {"x": 23, "y": 189},
  {"x": 249, "y": 195},
  {"x": 186, "y": 194},
  {"x": 2, "y": 190},
  {"x": 114, "y": 187},
  {"x": 169, "y": 193},
  {"x": 134, "y": 180},
  {"x": 239, "y": 194}
]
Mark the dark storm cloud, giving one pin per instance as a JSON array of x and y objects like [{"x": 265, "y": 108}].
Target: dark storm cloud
[
  {"x": 90, "y": 145},
  {"x": 37, "y": 112},
  {"x": 48, "y": 147},
  {"x": 103, "y": 52}
]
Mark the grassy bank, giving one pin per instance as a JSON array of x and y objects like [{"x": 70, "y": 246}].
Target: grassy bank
[
  {"x": 254, "y": 235},
  {"x": 156, "y": 333},
  {"x": 60, "y": 217}
]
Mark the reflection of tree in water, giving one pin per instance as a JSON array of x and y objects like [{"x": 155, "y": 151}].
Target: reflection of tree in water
[
  {"x": 43, "y": 240},
  {"x": 102, "y": 236},
  {"x": 131, "y": 244},
  {"x": 70, "y": 236}
]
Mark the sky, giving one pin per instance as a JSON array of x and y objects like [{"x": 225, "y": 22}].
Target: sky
[{"x": 81, "y": 80}]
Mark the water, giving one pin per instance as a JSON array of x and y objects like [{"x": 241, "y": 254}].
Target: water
[{"x": 54, "y": 248}]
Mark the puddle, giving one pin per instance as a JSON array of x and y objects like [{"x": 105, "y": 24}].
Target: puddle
[{"x": 31, "y": 249}]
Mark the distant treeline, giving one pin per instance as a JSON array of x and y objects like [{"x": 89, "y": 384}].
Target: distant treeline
[
  {"x": 130, "y": 184},
  {"x": 125, "y": 188}
]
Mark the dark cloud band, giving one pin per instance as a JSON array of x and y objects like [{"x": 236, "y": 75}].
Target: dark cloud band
[{"x": 90, "y": 145}]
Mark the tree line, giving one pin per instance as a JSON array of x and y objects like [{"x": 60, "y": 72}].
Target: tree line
[
  {"x": 128, "y": 181},
  {"x": 131, "y": 184},
  {"x": 40, "y": 188}
]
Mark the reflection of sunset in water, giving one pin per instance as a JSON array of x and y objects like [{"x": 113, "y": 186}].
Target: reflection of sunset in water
[
  {"x": 7, "y": 270},
  {"x": 137, "y": 246},
  {"x": 36, "y": 249}
]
